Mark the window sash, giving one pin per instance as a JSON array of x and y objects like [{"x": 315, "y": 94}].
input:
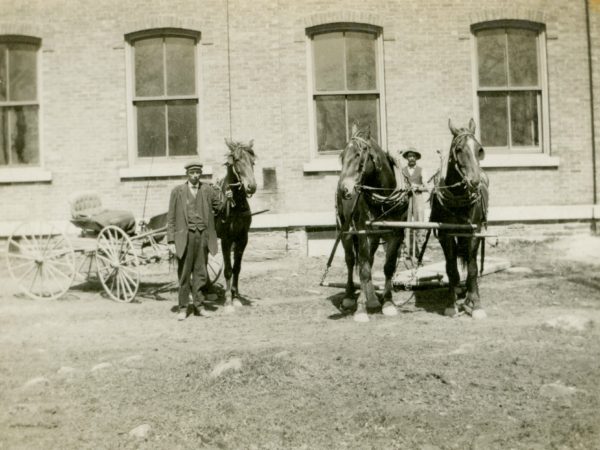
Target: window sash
[
  {"x": 167, "y": 148},
  {"x": 508, "y": 90},
  {"x": 10, "y": 132},
  {"x": 346, "y": 93}
]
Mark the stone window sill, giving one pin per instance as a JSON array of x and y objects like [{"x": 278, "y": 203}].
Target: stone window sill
[
  {"x": 24, "y": 175},
  {"x": 158, "y": 171},
  {"x": 523, "y": 160}
]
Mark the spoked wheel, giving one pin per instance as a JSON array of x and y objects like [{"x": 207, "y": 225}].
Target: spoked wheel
[
  {"x": 117, "y": 262},
  {"x": 41, "y": 260},
  {"x": 214, "y": 267}
]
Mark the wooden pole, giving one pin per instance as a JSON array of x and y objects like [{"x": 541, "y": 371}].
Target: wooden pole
[{"x": 423, "y": 225}]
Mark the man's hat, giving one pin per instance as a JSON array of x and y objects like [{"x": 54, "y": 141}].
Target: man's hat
[
  {"x": 193, "y": 165},
  {"x": 410, "y": 150}
]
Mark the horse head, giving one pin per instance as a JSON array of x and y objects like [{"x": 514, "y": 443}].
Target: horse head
[
  {"x": 362, "y": 159},
  {"x": 240, "y": 160},
  {"x": 465, "y": 154}
]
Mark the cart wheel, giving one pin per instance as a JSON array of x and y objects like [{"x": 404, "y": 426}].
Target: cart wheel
[
  {"x": 117, "y": 264},
  {"x": 41, "y": 260},
  {"x": 214, "y": 267}
]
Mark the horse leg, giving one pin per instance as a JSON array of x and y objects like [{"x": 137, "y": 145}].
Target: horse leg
[
  {"x": 389, "y": 268},
  {"x": 366, "y": 286},
  {"x": 473, "y": 298},
  {"x": 349, "y": 298},
  {"x": 372, "y": 300},
  {"x": 226, "y": 248},
  {"x": 238, "y": 252},
  {"x": 450, "y": 254}
]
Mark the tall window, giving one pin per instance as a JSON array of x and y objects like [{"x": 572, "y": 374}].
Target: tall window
[
  {"x": 345, "y": 85},
  {"x": 165, "y": 95},
  {"x": 19, "y": 105},
  {"x": 510, "y": 88}
]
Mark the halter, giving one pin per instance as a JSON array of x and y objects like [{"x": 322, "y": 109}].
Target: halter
[
  {"x": 238, "y": 184},
  {"x": 472, "y": 195}
]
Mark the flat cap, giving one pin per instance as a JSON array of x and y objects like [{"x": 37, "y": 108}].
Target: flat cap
[{"x": 193, "y": 165}]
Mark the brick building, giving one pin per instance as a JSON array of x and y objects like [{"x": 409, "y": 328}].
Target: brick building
[{"x": 115, "y": 97}]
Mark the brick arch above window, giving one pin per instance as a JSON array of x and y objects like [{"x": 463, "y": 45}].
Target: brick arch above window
[
  {"x": 510, "y": 14},
  {"x": 159, "y": 22},
  {"x": 351, "y": 19}
]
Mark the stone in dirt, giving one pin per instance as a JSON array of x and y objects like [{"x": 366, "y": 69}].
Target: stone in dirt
[
  {"x": 66, "y": 370},
  {"x": 557, "y": 391},
  {"x": 101, "y": 366},
  {"x": 37, "y": 381},
  {"x": 141, "y": 431},
  {"x": 569, "y": 323},
  {"x": 232, "y": 364},
  {"x": 519, "y": 270}
]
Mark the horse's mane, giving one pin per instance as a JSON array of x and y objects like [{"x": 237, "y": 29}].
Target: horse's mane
[{"x": 236, "y": 147}]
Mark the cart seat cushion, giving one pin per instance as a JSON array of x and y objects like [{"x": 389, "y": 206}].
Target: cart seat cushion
[
  {"x": 121, "y": 219},
  {"x": 88, "y": 206}
]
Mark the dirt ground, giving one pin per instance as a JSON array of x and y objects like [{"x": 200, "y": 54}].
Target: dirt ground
[{"x": 288, "y": 370}]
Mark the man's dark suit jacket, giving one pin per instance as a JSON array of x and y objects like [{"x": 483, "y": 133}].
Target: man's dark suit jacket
[{"x": 177, "y": 224}]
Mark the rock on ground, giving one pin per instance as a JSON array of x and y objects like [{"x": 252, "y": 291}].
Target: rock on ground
[
  {"x": 232, "y": 364},
  {"x": 141, "y": 431}
]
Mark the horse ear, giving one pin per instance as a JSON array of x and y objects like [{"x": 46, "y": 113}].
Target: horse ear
[
  {"x": 251, "y": 143},
  {"x": 354, "y": 128},
  {"x": 229, "y": 160},
  {"x": 228, "y": 142},
  {"x": 472, "y": 126},
  {"x": 453, "y": 129}
]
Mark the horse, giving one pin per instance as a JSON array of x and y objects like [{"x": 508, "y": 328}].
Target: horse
[
  {"x": 460, "y": 196},
  {"x": 233, "y": 222},
  {"x": 367, "y": 190}
]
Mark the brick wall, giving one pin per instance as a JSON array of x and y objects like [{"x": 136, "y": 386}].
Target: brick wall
[{"x": 428, "y": 79}]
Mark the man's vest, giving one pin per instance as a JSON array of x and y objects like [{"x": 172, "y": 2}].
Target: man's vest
[
  {"x": 415, "y": 178},
  {"x": 194, "y": 207}
]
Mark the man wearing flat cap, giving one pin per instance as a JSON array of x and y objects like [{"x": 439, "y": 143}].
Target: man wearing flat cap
[{"x": 191, "y": 236}]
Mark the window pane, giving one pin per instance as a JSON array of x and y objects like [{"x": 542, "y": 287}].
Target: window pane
[
  {"x": 149, "y": 67},
  {"x": 331, "y": 123},
  {"x": 5, "y": 152},
  {"x": 491, "y": 53},
  {"x": 23, "y": 129},
  {"x": 3, "y": 79},
  {"x": 524, "y": 118},
  {"x": 151, "y": 129},
  {"x": 493, "y": 115},
  {"x": 522, "y": 57},
  {"x": 329, "y": 61},
  {"x": 363, "y": 110},
  {"x": 181, "y": 71},
  {"x": 360, "y": 61},
  {"x": 22, "y": 72},
  {"x": 182, "y": 128}
]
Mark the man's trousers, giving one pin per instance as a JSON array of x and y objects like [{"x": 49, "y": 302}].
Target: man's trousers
[{"x": 191, "y": 268}]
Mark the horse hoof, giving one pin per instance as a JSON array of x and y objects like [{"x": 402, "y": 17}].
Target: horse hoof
[
  {"x": 361, "y": 317},
  {"x": 348, "y": 303},
  {"x": 237, "y": 303},
  {"x": 450, "y": 312},
  {"x": 389, "y": 310},
  {"x": 479, "y": 314},
  {"x": 229, "y": 309}
]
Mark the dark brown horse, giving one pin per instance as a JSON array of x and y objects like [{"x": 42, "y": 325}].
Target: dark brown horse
[
  {"x": 234, "y": 221},
  {"x": 461, "y": 197},
  {"x": 367, "y": 191}
]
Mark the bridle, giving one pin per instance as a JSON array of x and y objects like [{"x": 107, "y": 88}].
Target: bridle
[
  {"x": 473, "y": 194},
  {"x": 238, "y": 184}
]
